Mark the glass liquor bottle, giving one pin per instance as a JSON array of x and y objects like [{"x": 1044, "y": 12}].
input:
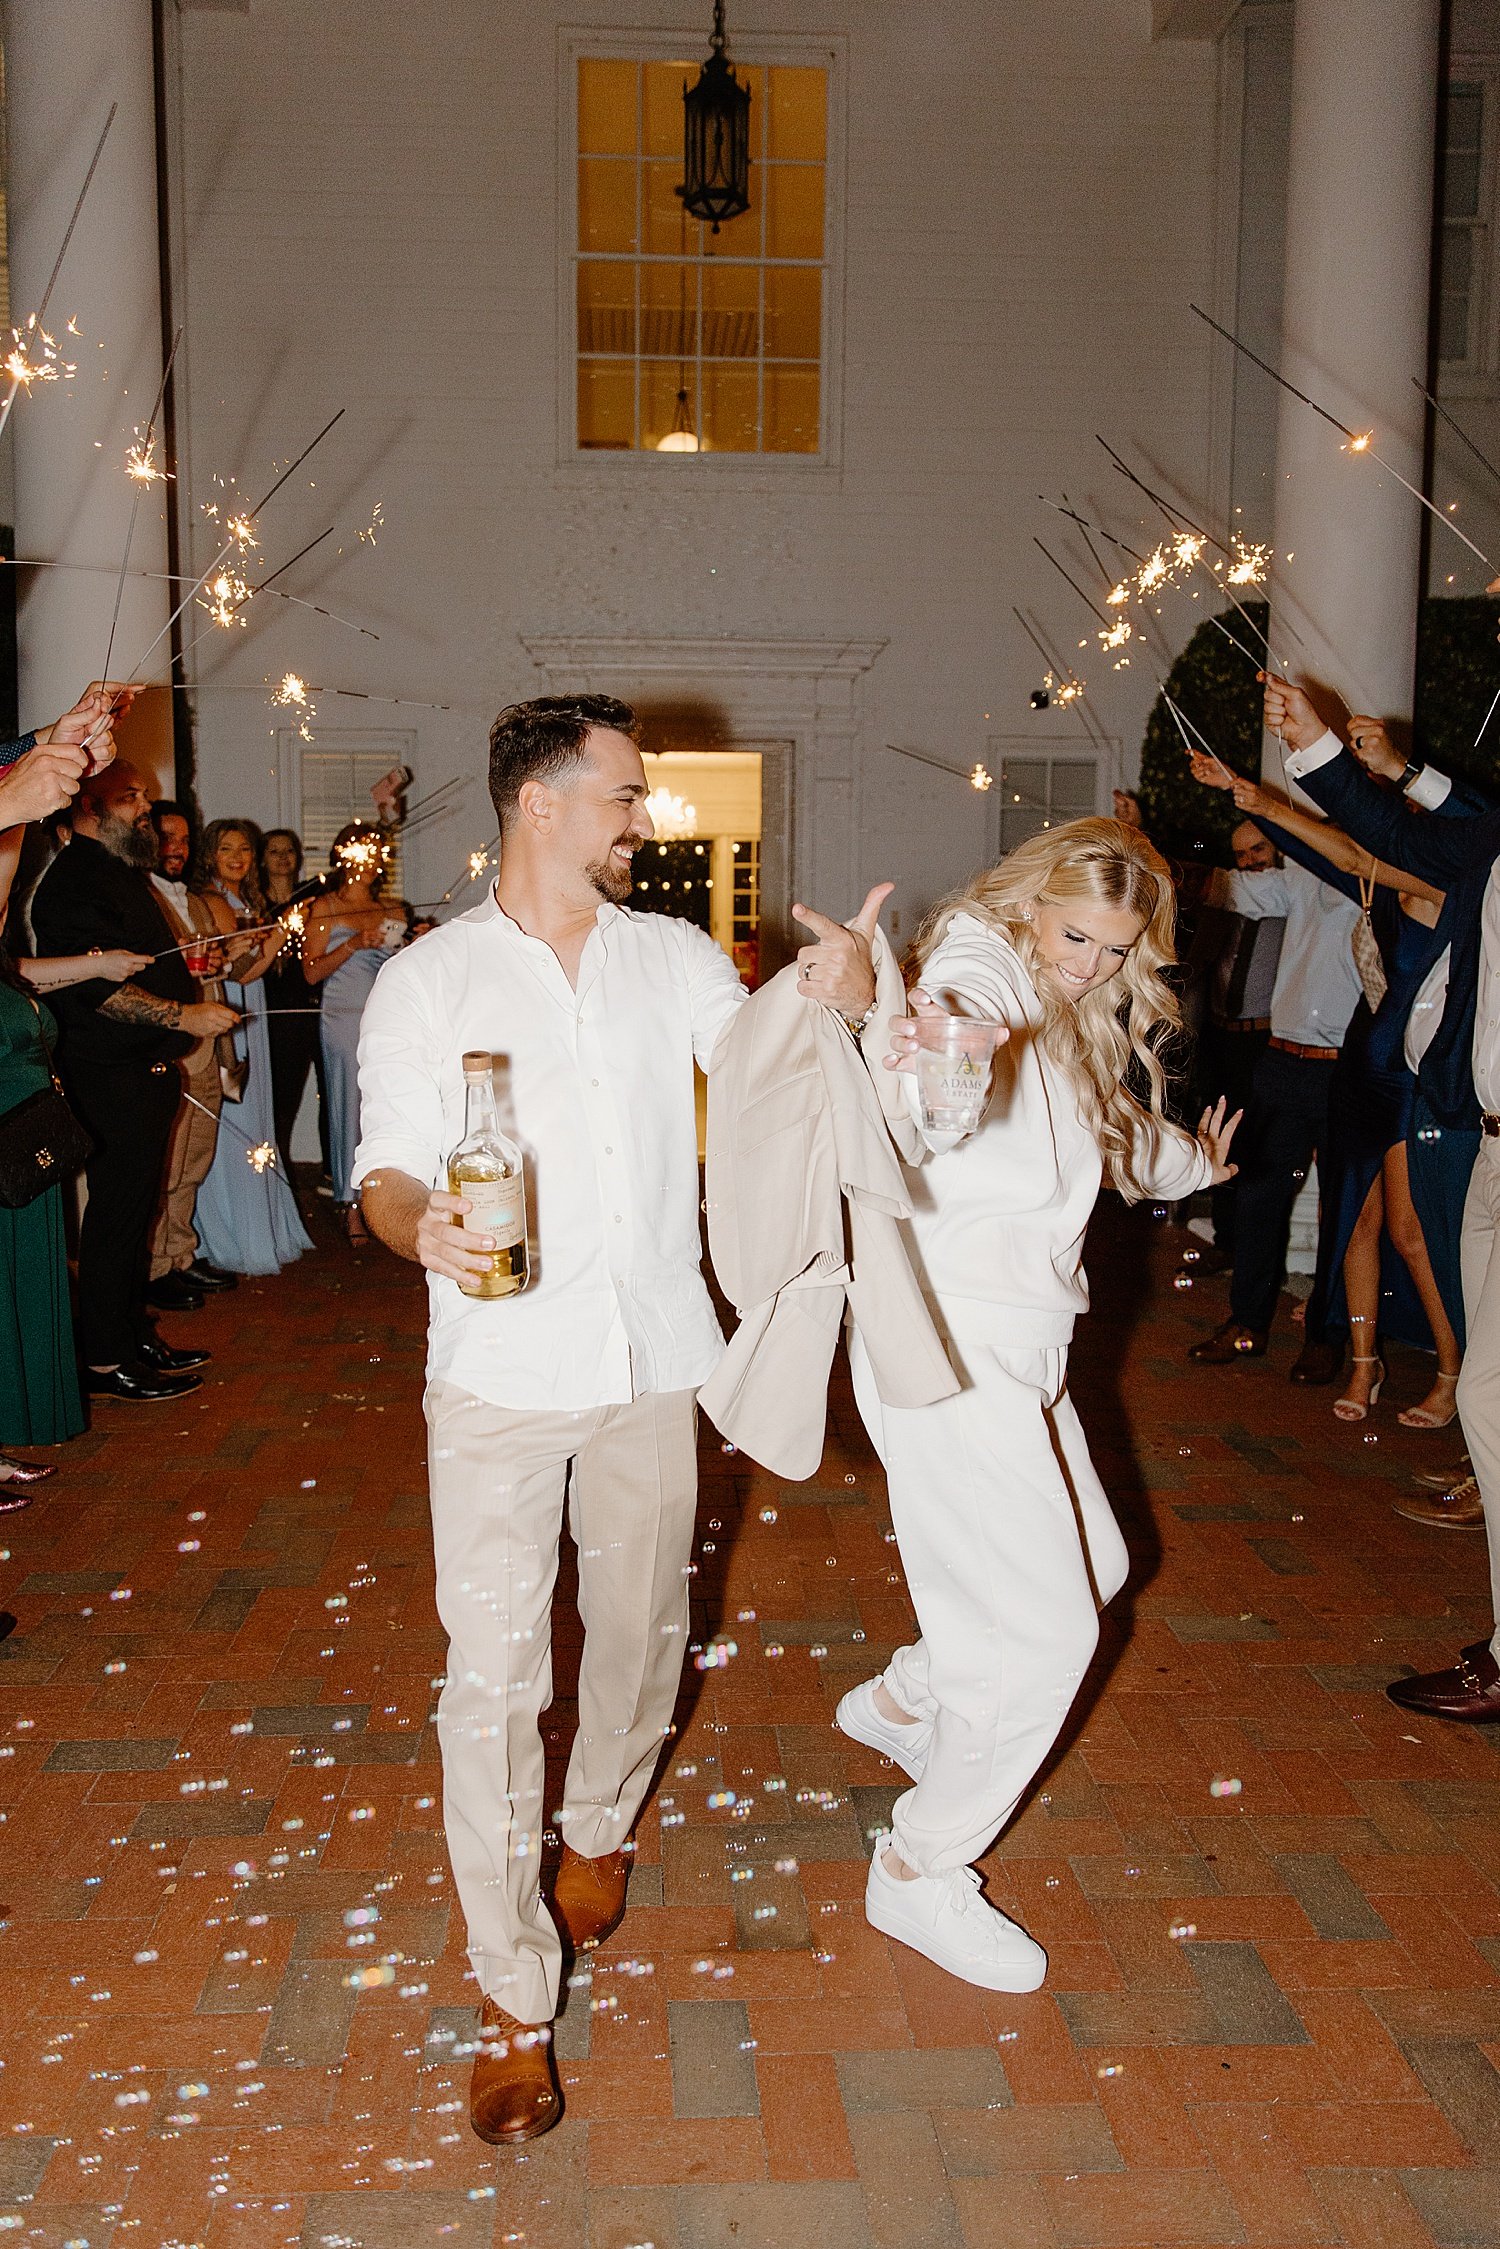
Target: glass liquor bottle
[{"x": 486, "y": 1169}]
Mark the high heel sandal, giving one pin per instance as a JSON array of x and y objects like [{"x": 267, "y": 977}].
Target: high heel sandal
[
  {"x": 1351, "y": 1409},
  {"x": 1420, "y": 1417}
]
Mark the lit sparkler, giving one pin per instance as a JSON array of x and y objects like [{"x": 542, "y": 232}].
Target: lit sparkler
[
  {"x": 363, "y": 856},
  {"x": 376, "y": 524},
  {"x": 1249, "y": 565},
  {"x": 1152, "y": 572},
  {"x": 293, "y": 694},
  {"x": 261, "y": 1157},
  {"x": 1113, "y": 638},
  {"x": 1118, "y": 595},
  {"x": 478, "y": 861},
  {"x": 1355, "y": 441},
  {"x": 46, "y": 367},
  {"x": 223, "y": 597},
  {"x": 981, "y": 779},
  {"x": 140, "y": 461},
  {"x": 140, "y": 467}
]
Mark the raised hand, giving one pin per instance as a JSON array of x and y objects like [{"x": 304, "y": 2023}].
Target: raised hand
[
  {"x": 1374, "y": 748},
  {"x": 1214, "y": 1135},
  {"x": 838, "y": 968},
  {"x": 41, "y": 782},
  {"x": 1289, "y": 712}
]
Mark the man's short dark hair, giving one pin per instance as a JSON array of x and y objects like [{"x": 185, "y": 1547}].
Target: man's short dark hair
[
  {"x": 167, "y": 808},
  {"x": 542, "y": 739}
]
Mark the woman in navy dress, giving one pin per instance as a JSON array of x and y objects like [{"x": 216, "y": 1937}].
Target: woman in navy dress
[{"x": 1364, "y": 1172}]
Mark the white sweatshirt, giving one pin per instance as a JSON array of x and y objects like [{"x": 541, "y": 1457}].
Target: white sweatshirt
[{"x": 999, "y": 1215}]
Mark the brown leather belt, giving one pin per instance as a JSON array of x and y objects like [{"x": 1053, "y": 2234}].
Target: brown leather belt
[
  {"x": 1490, "y": 1126},
  {"x": 1306, "y": 1053},
  {"x": 1248, "y": 1023}
]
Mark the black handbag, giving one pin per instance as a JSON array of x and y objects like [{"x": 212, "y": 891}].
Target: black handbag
[{"x": 41, "y": 1142}]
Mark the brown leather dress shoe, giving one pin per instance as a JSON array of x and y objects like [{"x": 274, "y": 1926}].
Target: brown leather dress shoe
[
  {"x": 1470, "y": 1691},
  {"x": 1228, "y": 1343},
  {"x": 1317, "y": 1363},
  {"x": 1457, "y": 1509},
  {"x": 589, "y": 1899},
  {"x": 513, "y": 2093},
  {"x": 1443, "y": 1479}
]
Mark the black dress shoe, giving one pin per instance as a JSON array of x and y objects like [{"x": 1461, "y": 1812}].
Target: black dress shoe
[
  {"x": 163, "y": 1360},
  {"x": 200, "y": 1274},
  {"x": 174, "y": 1292},
  {"x": 1229, "y": 1342},
  {"x": 1469, "y": 1691},
  {"x": 139, "y": 1384},
  {"x": 1318, "y": 1363}
]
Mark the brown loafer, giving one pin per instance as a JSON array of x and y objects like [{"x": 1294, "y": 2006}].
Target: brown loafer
[
  {"x": 589, "y": 1899},
  {"x": 513, "y": 2093},
  {"x": 1443, "y": 1479},
  {"x": 1457, "y": 1509},
  {"x": 1228, "y": 1343},
  {"x": 1469, "y": 1691}
]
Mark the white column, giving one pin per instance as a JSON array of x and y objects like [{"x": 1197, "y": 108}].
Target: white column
[
  {"x": 1354, "y": 333},
  {"x": 65, "y": 62}
]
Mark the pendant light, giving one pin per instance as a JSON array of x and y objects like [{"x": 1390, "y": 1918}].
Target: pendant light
[{"x": 716, "y": 138}]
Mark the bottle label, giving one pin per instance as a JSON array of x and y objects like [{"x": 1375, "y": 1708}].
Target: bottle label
[{"x": 497, "y": 1207}]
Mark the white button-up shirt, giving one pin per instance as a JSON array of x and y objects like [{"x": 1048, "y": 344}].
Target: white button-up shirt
[
  {"x": 1317, "y": 984},
  {"x": 596, "y": 1085}
]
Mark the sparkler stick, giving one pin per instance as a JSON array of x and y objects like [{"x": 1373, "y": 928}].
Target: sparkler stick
[
  {"x": 179, "y": 578},
  {"x": 41, "y": 311},
  {"x": 140, "y": 480},
  {"x": 261, "y": 587},
  {"x": 1461, "y": 434},
  {"x": 260, "y": 1154},
  {"x": 1359, "y": 440},
  {"x": 204, "y": 939},
  {"x": 1177, "y": 715},
  {"x": 1484, "y": 722},
  {"x": 249, "y": 517},
  {"x": 1087, "y": 599},
  {"x": 1173, "y": 517}
]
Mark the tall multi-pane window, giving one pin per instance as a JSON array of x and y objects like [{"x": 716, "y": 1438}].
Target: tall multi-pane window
[
  {"x": 1465, "y": 236},
  {"x": 691, "y": 341}
]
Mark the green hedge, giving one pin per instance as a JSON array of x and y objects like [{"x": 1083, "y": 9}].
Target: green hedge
[{"x": 1213, "y": 683}]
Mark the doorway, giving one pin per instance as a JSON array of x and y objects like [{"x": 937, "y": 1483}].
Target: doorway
[{"x": 706, "y": 862}]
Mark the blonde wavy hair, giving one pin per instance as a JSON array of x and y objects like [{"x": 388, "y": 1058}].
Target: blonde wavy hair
[{"x": 1121, "y": 1027}]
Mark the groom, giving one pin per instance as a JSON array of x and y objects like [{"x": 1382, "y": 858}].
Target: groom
[{"x": 583, "y": 1388}]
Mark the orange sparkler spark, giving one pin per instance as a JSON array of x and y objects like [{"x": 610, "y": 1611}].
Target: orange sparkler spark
[
  {"x": 1362, "y": 442},
  {"x": 1186, "y": 549},
  {"x": 478, "y": 861},
  {"x": 377, "y": 523},
  {"x": 1249, "y": 565},
  {"x": 1118, "y": 595},
  {"x": 981, "y": 779},
  {"x": 262, "y": 1157},
  {"x": 225, "y": 593},
  {"x": 140, "y": 462},
  {"x": 293, "y": 694},
  {"x": 1150, "y": 575}
]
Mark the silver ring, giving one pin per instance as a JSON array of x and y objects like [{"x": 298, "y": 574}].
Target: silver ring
[{"x": 807, "y": 972}]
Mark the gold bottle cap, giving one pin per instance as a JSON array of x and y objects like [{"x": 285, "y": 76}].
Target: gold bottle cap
[{"x": 479, "y": 1065}]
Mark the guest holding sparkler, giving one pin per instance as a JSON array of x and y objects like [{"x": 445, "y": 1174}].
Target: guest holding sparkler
[
  {"x": 118, "y": 1054},
  {"x": 180, "y": 1278},
  {"x": 248, "y": 1221},
  {"x": 291, "y": 1002},
  {"x": 351, "y": 933},
  {"x": 1363, "y": 1166},
  {"x": 1004, "y": 1529}
]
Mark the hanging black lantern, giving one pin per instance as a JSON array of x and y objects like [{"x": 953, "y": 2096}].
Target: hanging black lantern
[{"x": 716, "y": 137}]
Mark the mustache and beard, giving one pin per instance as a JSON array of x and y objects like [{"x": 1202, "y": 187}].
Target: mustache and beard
[
  {"x": 611, "y": 880},
  {"x": 134, "y": 841}
]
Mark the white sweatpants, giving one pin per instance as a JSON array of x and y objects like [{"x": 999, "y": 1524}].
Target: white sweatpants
[{"x": 1009, "y": 1548}]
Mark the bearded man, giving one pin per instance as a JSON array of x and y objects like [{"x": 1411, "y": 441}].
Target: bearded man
[{"x": 118, "y": 1053}]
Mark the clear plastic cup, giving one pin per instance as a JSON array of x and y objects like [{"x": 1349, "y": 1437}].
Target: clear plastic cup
[{"x": 954, "y": 1058}]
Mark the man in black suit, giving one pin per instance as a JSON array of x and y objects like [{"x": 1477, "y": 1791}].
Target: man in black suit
[
  {"x": 1461, "y": 1068},
  {"x": 118, "y": 1055}
]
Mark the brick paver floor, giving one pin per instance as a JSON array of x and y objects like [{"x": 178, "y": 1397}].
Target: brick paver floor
[{"x": 235, "y": 2001}]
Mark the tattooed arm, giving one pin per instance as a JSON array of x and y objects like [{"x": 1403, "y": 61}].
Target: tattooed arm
[{"x": 130, "y": 1004}]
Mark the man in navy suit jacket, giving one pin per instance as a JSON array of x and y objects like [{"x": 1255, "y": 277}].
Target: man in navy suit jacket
[{"x": 1461, "y": 1069}]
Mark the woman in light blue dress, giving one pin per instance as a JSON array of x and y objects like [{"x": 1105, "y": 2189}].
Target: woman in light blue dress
[
  {"x": 352, "y": 932},
  {"x": 247, "y": 1218}
]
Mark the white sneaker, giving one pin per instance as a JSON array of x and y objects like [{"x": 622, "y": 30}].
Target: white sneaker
[
  {"x": 859, "y": 1717},
  {"x": 944, "y": 1916}
]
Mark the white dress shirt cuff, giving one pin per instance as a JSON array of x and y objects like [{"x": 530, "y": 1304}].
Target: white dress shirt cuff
[
  {"x": 1429, "y": 789},
  {"x": 1318, "y": 753},
  {"x": 387, "y": 1151}
]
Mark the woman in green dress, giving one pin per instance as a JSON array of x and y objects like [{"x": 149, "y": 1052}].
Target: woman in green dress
[{"x": 39, "y": 1398}]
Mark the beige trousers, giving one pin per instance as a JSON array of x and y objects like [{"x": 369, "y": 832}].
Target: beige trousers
[
  {"x": 498, "y": 1481},
  {"x": 190, "y": 1157},
  {"x": 1479, "y": 1383}
]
